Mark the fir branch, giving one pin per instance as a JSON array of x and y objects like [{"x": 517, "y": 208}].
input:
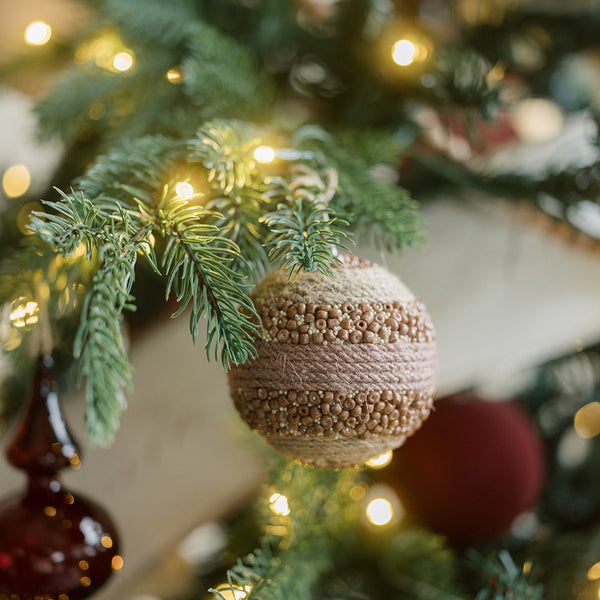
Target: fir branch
[
  {"x": 196, "y": 264},
  {"x": 505, "y": 580},
  {"x": 306, "y": 237},
  {"x": 221, "y": 77},
  {"x": 225, "y": 149},
  {"x": 377, "y": 209},
  {"x": 292, "y": 566},
  {"x": 141, "y": 163},
  {"x": 148, "y": 20},
  {"x": 99, "y": 344},
  {"x": 76, "y": 221}
]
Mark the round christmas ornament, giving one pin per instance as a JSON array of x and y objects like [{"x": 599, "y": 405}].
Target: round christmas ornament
[
  {"x": 54, "y": 544},
  {"x": 345, "y": 368},
  {"x": 473, "y": 468}
]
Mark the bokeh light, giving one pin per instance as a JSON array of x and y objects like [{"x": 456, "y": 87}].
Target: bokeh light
[
  {"x": 379, "y": 511},
  {"x": 16, "y": 181},
  {"x": 124, "y": 60},
  {"x": 184, "y": 189},
  {"x": 378, "y": 462},
  {"x": 264, "y": 154},
  {"x": 38, "y": 33},
  {"x": 24, "y": 313},
  {"x": 403, "y": 52},
  {"x": 279, "y": 504},
  {"x": 587, "y": 420}
]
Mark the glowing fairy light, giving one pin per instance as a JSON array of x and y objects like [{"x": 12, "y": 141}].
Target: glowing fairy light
[
  {"x": 16, "y": 181},
  {"x": 378, "y": 462},
  {"x": 379, "y": 511},
  {"x": 38, "y": 33},
  {"x": 279, "y": 505},
  {"x": 264, "y": 154},
  {"x": 184, "y": 189},
  {"x": 24, "y": 313},
  {"x": 175, "y": 75},
  {"x": 232, "y": 592},
  {"x": 123, "y": 61},
  {"x": 594, "y": 572},
  {"x": 403, "y": 52},
  {"x": 587, "y": 420}
]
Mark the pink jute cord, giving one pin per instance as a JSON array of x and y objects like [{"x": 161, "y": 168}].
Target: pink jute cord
[{"x": 339, "y": 367}]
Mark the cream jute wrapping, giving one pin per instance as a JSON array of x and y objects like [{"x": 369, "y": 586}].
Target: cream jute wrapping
[{"x": 345, "y": 367}]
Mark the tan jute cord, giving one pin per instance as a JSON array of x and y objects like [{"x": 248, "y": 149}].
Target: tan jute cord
[
  {"x": 330, "y": 453},
  {"x": 318, "y": 367}
]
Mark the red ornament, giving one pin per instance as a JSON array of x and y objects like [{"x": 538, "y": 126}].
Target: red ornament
[
  {"x": 53, "y": 543},
  {"x": 473, "y": 467}
]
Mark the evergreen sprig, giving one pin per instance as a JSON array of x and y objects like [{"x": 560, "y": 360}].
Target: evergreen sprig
[
  {"x": 505, "y": 579},
  {"x": 306, "y": 237},
  {"x": 378, "y": 209},
  {"x": 196, "y": 261}
]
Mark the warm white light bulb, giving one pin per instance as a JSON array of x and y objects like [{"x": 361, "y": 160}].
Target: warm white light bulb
[
  {"x": 379, "y": 511},
  {"x": 264, "y": 154},
  {"x": 24, "y": 314},
  {"x": 184, "y": 189},
  {"x": 175, "y": 75},
  {"x": 123, "y": 61},
  {"x": 279, "y": 505},
  {"x": 378, "y": 462},
  {"x": 38, "y": 33},
  {"x": 403, "y": 52}
]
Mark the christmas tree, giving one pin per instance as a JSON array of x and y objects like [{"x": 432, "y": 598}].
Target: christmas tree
[{"x": 204, "y": 149}]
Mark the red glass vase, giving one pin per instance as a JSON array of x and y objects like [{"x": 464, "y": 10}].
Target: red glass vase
[{"x": 54, "y": 544}]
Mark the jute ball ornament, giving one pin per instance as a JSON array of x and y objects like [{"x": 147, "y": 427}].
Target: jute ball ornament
[{"x": 345, "y": 366}]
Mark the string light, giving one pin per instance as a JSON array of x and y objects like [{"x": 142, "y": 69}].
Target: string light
[
  {"x": 24, "y": 313},
  {"x": 264, "y": 154},
  {"x": 38, "y": 33},
  {"x": 379, "y": 511},
  {"x": 175, "y": 75},
  {"x": 124, "y": 60},
  {"x": 279, "y": 504},
  {"x": 404, "y": 52},
  {"x": 378, "y": 462},
  {"x": 231, "y": 592},
  {"x": 587, "y": 420},
  {"x": 16, "y": 181},
  {"x": 184, "y": 189},
  {"x": 594, "y": 572}
]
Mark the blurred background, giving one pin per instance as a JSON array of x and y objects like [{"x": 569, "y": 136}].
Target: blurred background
[{"x": 510, "y": 273}]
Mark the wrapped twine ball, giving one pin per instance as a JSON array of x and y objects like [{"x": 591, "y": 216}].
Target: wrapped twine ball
[{"x": 345, "y": 368}]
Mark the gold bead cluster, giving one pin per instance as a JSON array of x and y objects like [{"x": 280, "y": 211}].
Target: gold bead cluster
[
  {"x": 288, "y": 322},
  {"x": 333, "y": 414}
]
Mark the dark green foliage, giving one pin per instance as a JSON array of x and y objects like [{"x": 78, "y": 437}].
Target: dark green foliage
[{"x": 505, "y": 580}]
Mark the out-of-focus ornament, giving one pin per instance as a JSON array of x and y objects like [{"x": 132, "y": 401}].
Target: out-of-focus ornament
[
  {"x": 345, "y": 368},
  {"x": 472, "y": 469},
  {"x": 53, "y": 543},
  {"x": 537, "y": 119}
]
